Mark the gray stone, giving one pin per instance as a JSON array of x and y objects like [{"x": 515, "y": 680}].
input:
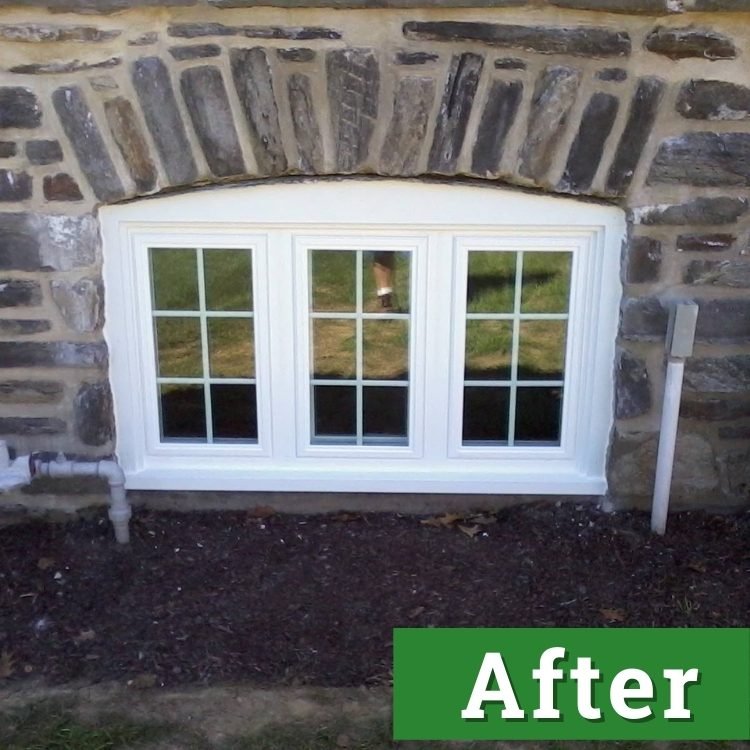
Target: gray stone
[
  {"x": 96, "y": 6},
  {"x": 702, "y": 243},
  {"x": 103, "y": 83},
  {"x": 79, "y": 303},
  {"x": 632, "y": 386},
  {"x": 643, "y": 319},
  {"x": 724, "y": 321},
  {"x": 11, "y": 327},
  {"x": 699, "y": 211},
  {"x": 353, "y": 80},
  {"x": 310, "y": 158},
  {"x": 407, "y": 57},
  {"x": 195, "y": 51},
  {"x": 498, "y": 116},
  {"x": 679, "y": 43},
  {"x": 208, "y": 104},
  {"x": 296, "y": 54},
  {"x": 254, "y": 84},
  {"x": 455, "y": 110},
  {"x": 643, "y": 260},
  {"x": 367, "y": 4},
  {"x": 20, "y": 293},
  {"x": 509, "y": 63},
  {"x": 19, "y": 108},
  {"x": 61, "y": 187},
  {"x": 612, "y": 74},
  {"x": 729, "y": 374},
  {"x": 47, "y": 32},
  {"x": 588, "y": 146},
  {"x": 44, "y": 152},
  {"x": 159, "y": 105},
  {"x": 618, "y": 6},
  {"x": 143, "y": 40},
  {"x": 735, "y": 432},
  {"x": 52, "y": 353},
  {"x": 82, "y": 131},
  {"x": 94, "y": 420},
  {"x": 703, "y": 159},
  {"x": 641, "y": 116},
  {"x": 126, "y": 131},
  {"x": 714, "y": 100},
  {"x": 402, "y": 147},
  {"x": 734, "y": 273},
  {"x": 32, "y": 426},
  {"x": 69, "y": 66},
  {"x": 554, "y": 94},
  {"x": 7, "y": 149},
  {"x": 301, "y": 33},
  {"x": 735, "y": 475},
  {"x": 582, "y": 41},
  {"x": 713, "y": 409},
  {"x": 14, "y": 186},
  {"x": 30, "y": 391}
]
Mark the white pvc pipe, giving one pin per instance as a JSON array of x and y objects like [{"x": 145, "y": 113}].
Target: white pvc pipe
[{"x": 670, "y": 416}]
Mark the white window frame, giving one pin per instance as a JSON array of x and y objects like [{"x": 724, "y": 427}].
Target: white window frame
[{"x": 438, "y": 224}]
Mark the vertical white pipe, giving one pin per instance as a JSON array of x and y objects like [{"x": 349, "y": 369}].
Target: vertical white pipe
[{"x": 667, "y": 440}]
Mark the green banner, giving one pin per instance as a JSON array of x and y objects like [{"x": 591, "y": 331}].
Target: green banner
[{"x": 571, "y": 683}]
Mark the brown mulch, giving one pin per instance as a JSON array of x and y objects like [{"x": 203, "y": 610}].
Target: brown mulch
[{"x": 295, "y": 600}]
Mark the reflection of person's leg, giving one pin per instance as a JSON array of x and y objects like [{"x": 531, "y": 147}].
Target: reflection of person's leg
[{"x": 383, "y": 269}]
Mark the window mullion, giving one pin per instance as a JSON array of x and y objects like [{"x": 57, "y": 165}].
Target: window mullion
[
  {"x": 514, "y": 350},
  {"x": 359, "y": 343},
  {"x": 204, "y": 346}
]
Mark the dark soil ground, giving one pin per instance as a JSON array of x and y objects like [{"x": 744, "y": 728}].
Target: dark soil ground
[{"x": 297, "y": 600}]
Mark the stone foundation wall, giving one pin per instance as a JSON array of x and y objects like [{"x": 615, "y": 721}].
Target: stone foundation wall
[{"x": 646, "y": 107}]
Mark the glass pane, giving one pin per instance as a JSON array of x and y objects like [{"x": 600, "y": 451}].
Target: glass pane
[
  {"x": 546, "y": 282},
  {"x": 385, "y": 411},
  {"x": 541, "y": 349},
  {"x": 335, "y": 410},
  {"x": 229, "y": 279},
  {"x": 183, "y": 411},
  {"x": 334, "y": 349},
  {"x": 333, "y": 280},
  {"x": 486, "y": 414},
  {"x": 491, "y": 282},
  {"x": 178, "y": 346},
  {"x": 383, "y": 270},
  {"x": 234, "y": 412},
  {"x": 489, "y": 352},
  {"x": 538, "y": 415},
  {"x": 386, "y": 349},
  {"x": 230, "y": 347},
  {"x": 174, "y": 276}
]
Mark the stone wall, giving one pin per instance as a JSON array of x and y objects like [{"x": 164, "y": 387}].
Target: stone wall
[{"x": 646, "y": 106}]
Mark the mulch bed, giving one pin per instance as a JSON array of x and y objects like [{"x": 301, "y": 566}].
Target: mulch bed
[{"x": 294, "y": 600}]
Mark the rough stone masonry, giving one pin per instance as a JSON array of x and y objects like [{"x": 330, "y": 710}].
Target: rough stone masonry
[{"x": 641, "y": 103}]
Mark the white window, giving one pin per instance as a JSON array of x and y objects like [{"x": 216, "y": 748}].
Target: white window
[{"x": 374, "y": 336}]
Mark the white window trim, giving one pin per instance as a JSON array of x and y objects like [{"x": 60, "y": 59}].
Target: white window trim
[{"x": 437, "y": 223}]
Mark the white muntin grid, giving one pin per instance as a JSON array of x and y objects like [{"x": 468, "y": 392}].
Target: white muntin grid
[
  {"x": 359, "y": 382},
  {"x": 516, "y": 317},
  {"x": 206, "y": 381}
]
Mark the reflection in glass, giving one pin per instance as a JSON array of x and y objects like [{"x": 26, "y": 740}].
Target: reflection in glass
[
  {"x": 485, "y": 414},
  {"x": 183, "y": 411},
  {"x": 541, "y": 349},
  {"x": 174, "y": 278},
  {"x": 178, "y": 347},
  {"x": 233, "y": 411},
  {"x": 228, "y": 279},
  {"x": 334, "y": 349},
  {"x": 384, "y": 270},
  {"x": 488, "y": 349},
  {"x": 386, "y": 349},
  {"x": 333, "y": 280},
  {"x": 538, "y": 415},
  {"x": 546, "y": 282},
  {"x": 335, "y": 410},
  {"x": 384, "y": 411},
  {"x": 230, "y": 347},
  {"x": 491, "y": 282}
]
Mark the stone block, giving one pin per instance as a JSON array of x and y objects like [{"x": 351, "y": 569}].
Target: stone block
[
  {"x": 733, "y": 273},
  {"x": 14, "y": 186},
  {"x": 612, "y": 74},
  {"x": 698, "y": 211},
  {"x": 735, "y": 432},
  {"x": 144, "y": 40},
  {"x": 66, "y": 66},
  {"x": 195, "y": 51},
  {"x": 298, "y": 33},
  {"x": 632, "y": 386},
  {"x": 254, "y": 84},
  {"x": 52, "y": 353},
  {"x": 296, "y": 54},
  {"x": 20, "y": 293},
  {"x": 48, "y": 32},
  {"x": 642, "y": 260},
  {"x": 156, "y": 96},
  {"x": 713, "y": 409},
  {"x": 714, "y": 100},
  {"x": 643, "y": 318},
  {"x": 702, "y": 243},
  {"x": 730, "y": 374},
  {"x": 11, "y": 327},
  {"x": 407, "y": 57},
  {"x": 305, "y": 123},
  {"x": 31, "y": 391},
  {"x": 44, "y": 152},
  {"x": 7, "y": 149},
  {"x": 735, "y": 475},
  {"x": 19, "y": 108},
  {"x": 32, "y": 426},
  {"x": 581, "y": 41},
  {"x": 509, "y": 63},
  {"x": 500, "y": 110},
  {"x": 126, "y": 131},
  {"x": 208, "y": 104},
  {"x": 724, "y": 321},
  {"x": 679, "y": 43},
  {"x": 94, "y": 419},
  {"x": 61, "y": 187},
  {"x": 554, "y": 94},
  {"x": 80, "y": 303}
]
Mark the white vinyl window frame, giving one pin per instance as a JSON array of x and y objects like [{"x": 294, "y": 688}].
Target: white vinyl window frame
[{"x": 438, "y": 225}]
